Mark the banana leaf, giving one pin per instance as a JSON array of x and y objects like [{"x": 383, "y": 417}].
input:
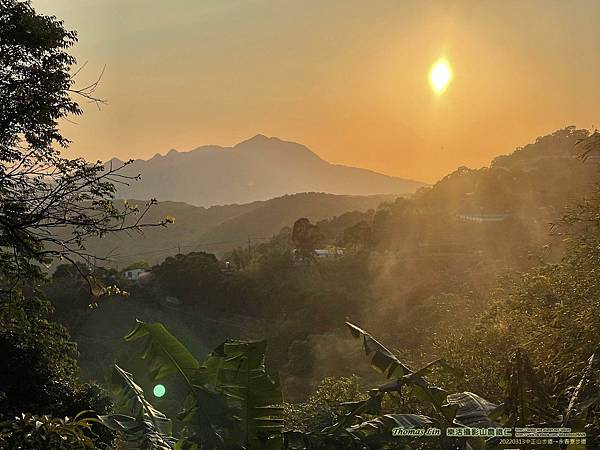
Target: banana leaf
[
  {"x": 384, "y": 361},
  {"x": 164, "y": 353},
  {"x": 237, "y": 370},
  {"x": 232, "y": 402},
  {"x": 473, "y": 411},
  {"x": 148, "y": 429}
]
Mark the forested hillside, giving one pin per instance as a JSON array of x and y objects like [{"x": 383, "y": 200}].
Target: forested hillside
[
  {"x": 221, "y": 228},
  {"x": 410, "y": 268}
]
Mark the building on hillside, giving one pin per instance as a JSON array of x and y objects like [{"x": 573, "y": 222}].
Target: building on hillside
[
  {"x": 227, "y": 268},
  {"x": 135, "y": 274},
  {"x": 320, "y": 253},
  {"x": 485, "y": 218},
  {"x": 330, "y": 252}
]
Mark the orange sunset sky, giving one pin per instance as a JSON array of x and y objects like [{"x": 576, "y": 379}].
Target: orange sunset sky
[{"x": 347, "y": 78}]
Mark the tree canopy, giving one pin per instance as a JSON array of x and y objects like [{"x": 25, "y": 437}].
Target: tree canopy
[
  {"x": 305, "y": 237},
  {"x": 49, "y": 203}
]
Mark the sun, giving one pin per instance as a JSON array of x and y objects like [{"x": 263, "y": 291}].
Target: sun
[{"x": 440, "y": 76}]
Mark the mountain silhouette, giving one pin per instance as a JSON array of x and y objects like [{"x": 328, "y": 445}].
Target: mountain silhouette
[{"x": 259, "y": 168}]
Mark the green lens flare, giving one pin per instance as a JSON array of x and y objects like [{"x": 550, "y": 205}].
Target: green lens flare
[{"x": 159, "y": 390}]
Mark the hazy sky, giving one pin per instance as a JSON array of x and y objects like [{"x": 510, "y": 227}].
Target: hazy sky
[{"x": 347, "y": 78}]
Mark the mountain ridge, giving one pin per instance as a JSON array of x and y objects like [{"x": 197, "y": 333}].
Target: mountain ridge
[
  {"x": 259, "y": 168},
  {"x": 221, "y": 228}
]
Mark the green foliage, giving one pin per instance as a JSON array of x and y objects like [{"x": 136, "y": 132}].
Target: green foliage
[
  {"x": 474, "y": 411},
  {"x": 462, "y": 409},
  {"x": 236, "y": 370},
  {"x": 30, "y": 432},
  {"x": 234, "y": 404},
  {"x": 41, "y": 39},
  {"x": 231, "y": 403},
  {"x": 50, "y": 204},
  {"x": 228, "y": 227},
  {"x": 148, "y": 428},
  {"x": 164, "y": 354},
  {"x": 191, "y": 277},
  {"x": 40, "y": 372},
  {"x": 426, "y": 276},
  {"x": 327, "y": 404},
  {"x": 527, "y": 400},
  {"x": 385, "y": 362}
]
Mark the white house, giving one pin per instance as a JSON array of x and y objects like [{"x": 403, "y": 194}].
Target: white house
[
  {"x": 134, "y": 274},
  {"x": 330, "y": 252}
]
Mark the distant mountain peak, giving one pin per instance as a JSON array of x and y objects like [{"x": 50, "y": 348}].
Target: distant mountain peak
[
  {"x": 258, "y": 168},
  {"x": 115, "y": 162},
  {"x": 258, "y": 139}
]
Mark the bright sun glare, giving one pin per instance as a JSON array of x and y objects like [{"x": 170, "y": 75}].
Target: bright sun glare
[{"x": 440, "y": 76}]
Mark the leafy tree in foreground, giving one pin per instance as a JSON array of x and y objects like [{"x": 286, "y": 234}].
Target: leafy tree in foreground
[
  {"x": 39, "y": 365},
  {"x": 49, "y": 204},
  {"x": 29, "y": 432}
]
